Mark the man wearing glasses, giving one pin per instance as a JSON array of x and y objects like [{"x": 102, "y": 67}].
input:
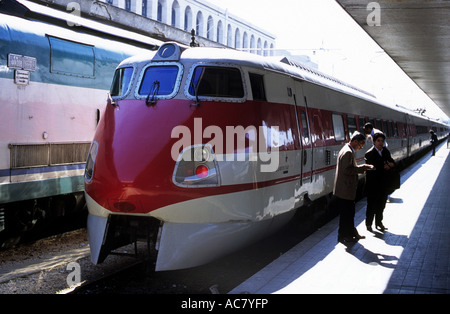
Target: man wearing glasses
[{"x": 345, "y": 185}]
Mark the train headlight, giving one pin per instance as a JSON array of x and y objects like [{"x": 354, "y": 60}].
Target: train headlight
[
  {"x": 202, "y": 154},
  {"x": 90, "y": 162},
  {"x": 197, "y": 167},
  {"x": 168, "y": 52}
]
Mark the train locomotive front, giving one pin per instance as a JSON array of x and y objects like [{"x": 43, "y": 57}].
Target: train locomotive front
[{"x": 184, "y": 157}]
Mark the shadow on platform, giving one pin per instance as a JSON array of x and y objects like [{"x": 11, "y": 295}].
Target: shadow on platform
[
  {"x": 425, "y": 262},
  {"x": 414, "y": 259}
]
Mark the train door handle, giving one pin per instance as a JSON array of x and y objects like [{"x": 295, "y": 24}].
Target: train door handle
[{"x": 305, "y": 157}]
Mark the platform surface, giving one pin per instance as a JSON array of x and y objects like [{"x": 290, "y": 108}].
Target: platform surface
[{"x": 412, "y": 256}]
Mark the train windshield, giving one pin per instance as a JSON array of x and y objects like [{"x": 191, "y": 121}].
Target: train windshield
[
  {"x": 159, "y": 80},
  {"x": 121, "y": 82},
  {"x": 222, "y": 82}
]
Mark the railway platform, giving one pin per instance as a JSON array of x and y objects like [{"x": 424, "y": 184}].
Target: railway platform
[{"x": 411, "y": 257}]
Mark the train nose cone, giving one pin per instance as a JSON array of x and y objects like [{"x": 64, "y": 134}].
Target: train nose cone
[{"x": 133, "y": 167}]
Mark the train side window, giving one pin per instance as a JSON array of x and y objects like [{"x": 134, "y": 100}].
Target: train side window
[
  {"x": 305, "y": 128},
  {"x": 404, "y": 129},
  {"x": 257, "y": 83},
  {"x": 216, "y": 82},
  {"x": 338, "y": 127},
  {"x": 362, "y": 122},
  {"x": 378, "y": 125},
  {"x": 121, "y": 82},
  {"x": 386, "y": 129},
  {"x": 391, "y": 129},
  {"x": 396, "y": 133},
  {"x": 351, "y": 124},
  {"x": 421, "y": 129},
  {"x": 71, "y": 58}
]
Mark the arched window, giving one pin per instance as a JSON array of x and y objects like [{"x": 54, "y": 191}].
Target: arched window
[
  {"x": 245, "y": 42},
  {"x": 237, "y": 39},
  {"x": 259, "y": 51},
  {"x": 175, "y": 14},
  {"x": 266, "y": 49},
  {"x": 220, "y": 32},
  {"x": 229, "y": 36},
  {"x": 210, "y": 28},
  {"x": 161, "y": 6},
  {"x": 199, "y": 24},
  {"x": 144, "y": 7},
  {"x": 188, "y": 19},
  {"x": 252, "y": 44}
]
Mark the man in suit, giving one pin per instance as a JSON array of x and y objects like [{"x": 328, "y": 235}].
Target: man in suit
[
  {"x": 345, "y": 186},
  {"x": 434, "y": 141},
  {"x": 370, "y": 131},
  {"x": 377, "y": 180}
]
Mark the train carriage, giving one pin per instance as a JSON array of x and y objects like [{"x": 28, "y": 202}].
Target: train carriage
[
  {"x": 204, "y": 150},
  {"x": 55, "y": 73}
]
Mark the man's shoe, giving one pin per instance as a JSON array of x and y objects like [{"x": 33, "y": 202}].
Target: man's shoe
[
  {"x": 347, "y": 239},
  {"x": 381, "y": 227}
]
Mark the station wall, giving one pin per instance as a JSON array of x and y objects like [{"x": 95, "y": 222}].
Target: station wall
[{"x": 208, "y": 20}]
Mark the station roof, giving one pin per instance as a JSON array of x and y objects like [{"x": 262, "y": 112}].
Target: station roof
[{"x": 416, "y": 35}]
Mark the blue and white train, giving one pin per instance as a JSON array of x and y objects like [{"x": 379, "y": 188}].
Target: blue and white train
[{"x": 55, "y": 72}]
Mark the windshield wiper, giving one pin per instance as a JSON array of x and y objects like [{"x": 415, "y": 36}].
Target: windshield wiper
[
  {"x": 196, "y": 87},
  {"x": 153, "y": 93}
]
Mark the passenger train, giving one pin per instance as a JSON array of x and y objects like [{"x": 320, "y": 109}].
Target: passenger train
[
  {"x": 55, "y": 72},
  {"x": 202, "y": 151}
]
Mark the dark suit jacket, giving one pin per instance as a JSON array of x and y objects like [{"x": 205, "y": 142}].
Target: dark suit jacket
[
  {"x": 376, "y": 179},
  {"x": 346, "y": 179}
]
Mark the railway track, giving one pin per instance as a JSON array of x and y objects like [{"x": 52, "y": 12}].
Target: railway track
[
  {"x": 219, "y": 276},
  {"x": 46, "y": 266}
]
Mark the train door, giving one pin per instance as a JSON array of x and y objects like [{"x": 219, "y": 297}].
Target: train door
[{"x": 301, "y": 105}]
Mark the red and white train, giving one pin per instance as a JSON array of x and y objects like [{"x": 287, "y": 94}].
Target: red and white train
[{"x": 205, "y": 150}]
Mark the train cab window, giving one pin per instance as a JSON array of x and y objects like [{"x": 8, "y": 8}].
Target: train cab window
[
  {"x": 121, "y": 82},
  {"x": 338, "y": 127},
  {"x": 216, "y": 82},
  {"x": 257, "y": 83},
  {"x": 159, "y": 81},
  {"x": 351, "y": 124}
]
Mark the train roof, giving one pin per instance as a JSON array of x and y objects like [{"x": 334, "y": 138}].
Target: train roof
[
  {"x": 288, "y": 67},
  {"x": 275, "y": 64}
]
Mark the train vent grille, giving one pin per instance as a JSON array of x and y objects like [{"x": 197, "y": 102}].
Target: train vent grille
[{"x": 49, "y": 154}]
